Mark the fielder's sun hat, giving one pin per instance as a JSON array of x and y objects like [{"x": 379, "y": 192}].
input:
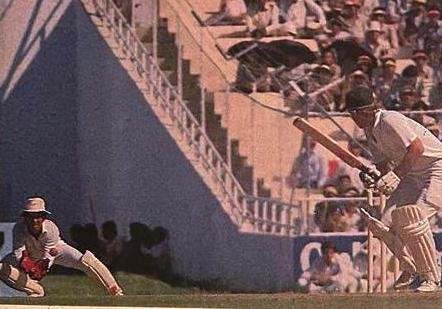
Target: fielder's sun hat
[
  {"x": 35, "y": 205},
  {"x": 358, "y": 97}
]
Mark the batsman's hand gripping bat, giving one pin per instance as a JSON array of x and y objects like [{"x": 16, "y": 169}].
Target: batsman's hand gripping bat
[{"x": 334, "y": 147}]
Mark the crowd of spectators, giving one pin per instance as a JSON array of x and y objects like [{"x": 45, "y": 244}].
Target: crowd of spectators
[
  {"x": 146, "y": 252},
  {"x": 404, "y": 36}
]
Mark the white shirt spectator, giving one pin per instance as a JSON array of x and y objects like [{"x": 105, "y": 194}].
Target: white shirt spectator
[{"x": 298, "y": 12}]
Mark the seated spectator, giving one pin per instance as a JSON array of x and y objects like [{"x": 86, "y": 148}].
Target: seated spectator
[
  {"x": 329, "y": 58},
  {"x": 387, "y": 83},
  {"x": 231, "y": 12},
  {"x": 425, "y": 72},
  {"x": 374, "y": 42},
  {"x": 330, "y": 273},
  {"x": 321, "y": 208},
  {"x": 367, "y": 7},
  {"x": 389, "y": 30},
  {"x": 407, "y": 99},
  {"x": 297, "y": 20},
  {"x": 413, "y": 20},
  {"x": 356, "y": 25},
  {"x": 343, "y": 183},
  {"x": 366, "y": 65},
  {"x": 113, "y": 245},
  {"x": 265, "y": 21},
  {"x": 410, "y": 77},
  {"x": 351, "y": 214},
  {"x": 335, "y": 220},
  {"x": 320, "y": 77}
]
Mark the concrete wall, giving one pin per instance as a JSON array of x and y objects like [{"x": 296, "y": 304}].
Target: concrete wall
[{"x": 76, "y": 130}]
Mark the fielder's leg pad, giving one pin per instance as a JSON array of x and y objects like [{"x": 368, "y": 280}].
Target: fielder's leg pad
[
  {"x": 99, "y": 272},
  {"x": 415, "y": 231},
  {"x": 20, "y": 281}
]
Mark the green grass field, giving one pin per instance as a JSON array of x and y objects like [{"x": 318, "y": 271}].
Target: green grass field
[{"x": 140, "y": 291}]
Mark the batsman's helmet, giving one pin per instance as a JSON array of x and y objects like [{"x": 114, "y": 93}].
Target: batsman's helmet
[{"x": 358, "y": 97}]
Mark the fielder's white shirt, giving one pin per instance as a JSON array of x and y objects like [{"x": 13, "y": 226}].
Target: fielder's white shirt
[
  {"x": 37, "y": 248},
  {"x": 393, "y": 132}
]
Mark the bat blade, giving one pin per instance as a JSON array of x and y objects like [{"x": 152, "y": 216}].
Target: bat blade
[{"x": 330, "y": 144}]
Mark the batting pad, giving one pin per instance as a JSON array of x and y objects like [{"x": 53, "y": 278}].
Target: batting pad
[
  {"x": 414, "y": 229},
  {"x": 392, "y": 241},
  {"x": 99, "y": 272},
  {"x": 19, "y": 280}
]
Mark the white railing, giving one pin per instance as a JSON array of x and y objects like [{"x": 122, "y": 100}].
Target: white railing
[{"x": 169, "y": 100}]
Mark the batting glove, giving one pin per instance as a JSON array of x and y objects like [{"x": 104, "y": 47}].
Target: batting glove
[
  {"x": 388, "y": 183},
  {"x": 370, "y": 178}
]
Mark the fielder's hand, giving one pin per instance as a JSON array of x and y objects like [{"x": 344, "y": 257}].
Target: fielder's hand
[
  {"x": 388, "y": 183},
  {"x": 26, "y": 264},
  {"x": 39, "y": 270}
]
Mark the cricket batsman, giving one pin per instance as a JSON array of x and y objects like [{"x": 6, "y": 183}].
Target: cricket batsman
[
  {"x": 37, "y": 246},
  {"x": 408, "y": 159}
]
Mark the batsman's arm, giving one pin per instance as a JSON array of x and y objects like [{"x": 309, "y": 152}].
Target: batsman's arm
[{"x": 331, "y": 145}]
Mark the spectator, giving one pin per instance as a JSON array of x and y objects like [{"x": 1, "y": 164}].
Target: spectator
[
  {"x": 321, "y": 208},
  {"x": 308, "y": 169},
  {"x": 231, "y": 12},
  {"x": 387, "y": 83},
  {"x": 328, "y": 58},
  {"x": 430, "y": 35},
  {"x": 356, "y": 24},
  {"x": 389, "y": 30},
  {"x": 330, "y": 273},
  {"x": 367, "y": 7},
  {"x": 335, "y": 220},
  {"x": 351, "y": 214},
  {"x": 366, "y": 65},
  {"x": 297, "y": 16},
  {"x": 425, "y": 73},
  {"x": 343, "y": 183},
  {"x": 410, "y": 77},
  {"x": 413, "y": 19},
  {"x": 407, "y": 99},
  {"x": 321, "y": 76},
  {"x": 265, "y": 21},
  {"x": 374, "y": 41},
  {"x": 113, "y": 245}
]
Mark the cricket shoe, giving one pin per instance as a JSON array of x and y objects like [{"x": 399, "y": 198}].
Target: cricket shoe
[
  {"x": 404, "y": 281},
  {"x": 427, "y": 286}
]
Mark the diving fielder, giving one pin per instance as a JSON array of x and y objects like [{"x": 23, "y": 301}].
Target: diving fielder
[
  {"x": 37, "y": 246},
  {"x": 409, "y": 159}
]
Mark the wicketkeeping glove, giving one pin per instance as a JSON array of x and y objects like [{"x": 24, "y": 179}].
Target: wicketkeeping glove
[
  {"x": 26, "y": 264},
  {"x": 388, "y": 183},
  {"x": 39, "y": 270}
]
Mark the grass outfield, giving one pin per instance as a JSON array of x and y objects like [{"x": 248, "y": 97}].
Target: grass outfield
[{"x": 79, "y": 291}]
